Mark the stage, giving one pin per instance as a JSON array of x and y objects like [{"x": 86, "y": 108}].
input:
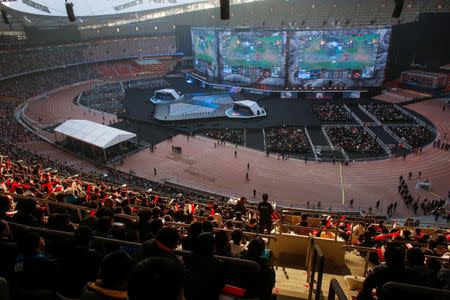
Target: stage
[
  {"x": 297, "y": 112},
  {"x": 259, "y": 89}
]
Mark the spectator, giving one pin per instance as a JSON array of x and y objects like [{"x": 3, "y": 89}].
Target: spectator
[
  {"x": 194, "y": 230},
  {"x": 265, "y": 210},
  {"x": 265, "y": 278},
  {"x": 156, "y": 278},
  {"x": 392, "y": 271},
  {"x": 420, "y": 274},
  {"x": 33, "y": 270},
  {"x": 162, "y": 245},
  {"x": 236, "y": 246},
  {"x": 79, "y": 264},
  {"x": 204, "y": 277},
  {"x": 8, "y": 250},
  {"x": 26, "y": 213},
  {"x": 115, "y": 270},
  {"x": 222, "y": 246}
]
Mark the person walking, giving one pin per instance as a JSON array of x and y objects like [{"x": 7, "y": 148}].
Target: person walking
[
  {"x": 235, "y": 154},
  {"x": 154, "y": 171}
]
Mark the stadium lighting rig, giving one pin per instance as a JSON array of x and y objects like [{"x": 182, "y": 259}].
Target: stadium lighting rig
[
  {"x": 69, "y": 10},
  {"x": 398, "y": 7}
]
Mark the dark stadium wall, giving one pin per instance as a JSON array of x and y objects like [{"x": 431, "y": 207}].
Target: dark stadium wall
[
  {"x": 425, "y": 43},
  {"x": 433, "y": 47},
  {"x": 183, "y": 39},
  {"x": 44, "y": 35},
  {"x": 402, "y": 49}
]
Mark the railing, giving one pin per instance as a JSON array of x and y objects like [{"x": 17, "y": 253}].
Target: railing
[
  {"x": 419, "y": 121},
  {"x": 315, "y": 261},
  {"x": 325, "y": 134},
  {"x": 396, "y": 137},
  {"x": 372, "y": 250},
  {"x": 336, "y": 290},
  {"x": 79, "y": 209},
  {"x": 391, "y": 290},
  {"x": 369, "y": 114},
  {"x": 311, "y": 143},
  {"x": 357, "y": 119},
  {"x": 379, "y": 141},
  {"x": 103, "y": 239}
]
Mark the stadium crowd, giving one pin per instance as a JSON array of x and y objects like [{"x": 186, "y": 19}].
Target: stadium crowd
[
  {"x": 401, "y": 258},
  {"x": 106, "y": 97},
  {"x": 287, "y": 139},
  {"x": 234, "y": 136},
  {"x": 387, "y": 113},
  {"x": 415, "y": 136},
  {"x": 332, "y": 112},
  {"x": 26, "y": 86},
  {"x": 353, "y": 139},
  {"x": 70, "y": 267},
  {"x": 146, "y": 83},
  {"x": 37, "y": 58}
]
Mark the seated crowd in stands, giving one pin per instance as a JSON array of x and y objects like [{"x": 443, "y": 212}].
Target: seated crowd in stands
[
  {"x": 26, "y": 86},
  {"x": 400, "y": 256},
  {"x": 146, "y": 83},
  {"x": 10, "y": 130},
  {"x": 33, "y": 59},
  {"x": 287, "y": 139},
  {"x": 387, "y": 113},
  {"x": 415, "y": 136},
  {"x": 106, "y": 97},
  {"x": 234, "y": 136},
  {"x": 353, "y": 139},
  {"x": 332, "y": 112},
  {"x": 70, "y": 267}
]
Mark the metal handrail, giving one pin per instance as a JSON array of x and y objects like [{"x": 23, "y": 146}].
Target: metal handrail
[
  {"x": 108, "y": 240},
  {"x": 409, "y": 289},
  {"x": 123, "y": 216},
  {"x": 336, "y": 290},
  {"x": 371, "y": 250},
  {"x": 315, "y": 257}
]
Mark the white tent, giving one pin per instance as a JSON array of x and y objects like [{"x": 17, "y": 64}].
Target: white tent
[{"x": 93, "y": 133}]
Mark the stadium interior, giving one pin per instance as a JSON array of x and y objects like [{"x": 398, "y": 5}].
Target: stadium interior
[{"x": 224, "y": 149}]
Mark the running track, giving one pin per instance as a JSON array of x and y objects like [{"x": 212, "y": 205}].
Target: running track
[{"x": 290, "y": 182}]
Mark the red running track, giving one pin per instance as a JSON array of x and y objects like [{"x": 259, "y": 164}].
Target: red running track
[{"x": 290, "y": 182}]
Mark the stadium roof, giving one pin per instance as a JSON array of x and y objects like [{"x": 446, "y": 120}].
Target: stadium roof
[
  {"x": 94, "y": 133},
  {"x": 88, "y": 8}
]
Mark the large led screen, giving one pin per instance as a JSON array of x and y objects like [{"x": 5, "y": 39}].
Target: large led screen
[
  {"x": 204, "y": 43},
  {"x": 253, "y": 57},
  {"x": 338, "y": 58}
]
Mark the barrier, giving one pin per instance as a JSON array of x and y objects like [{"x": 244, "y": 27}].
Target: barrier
[
  {"x": 316, "y": 263},
  {"x": 334, "y": 290},
  {"x": 391, "y": 290},
  {"x": 311, "y": 143},
  {"x": 372, "y": 250}
]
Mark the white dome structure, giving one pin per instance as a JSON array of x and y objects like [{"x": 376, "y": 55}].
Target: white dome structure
[
  {"x": 245, "y": 109},
  {"x": 166, "y": 96}
]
